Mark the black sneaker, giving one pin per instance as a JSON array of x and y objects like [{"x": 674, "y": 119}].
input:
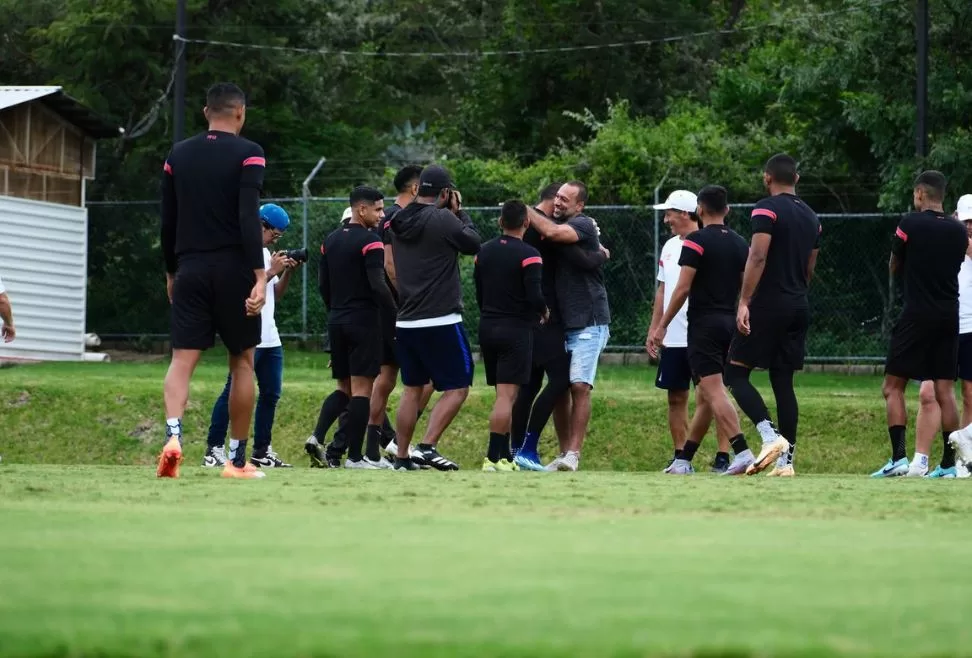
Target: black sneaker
[
  {"x": 406, "y": 465},
  {"x": 315, "y": 452},
  {"x": 431, "y": 457},
  {"x": 269, "y": 460},
  {"x": 333, "y": 455},
  {"x": 721, "y": 463}
]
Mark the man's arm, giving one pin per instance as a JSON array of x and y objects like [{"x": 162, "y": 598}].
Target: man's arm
[
  {"x": 386, "y": 303},
  {"x": 755, "y": 264},
  {"x": 657, "y": 310},
  {"x": 812, "y": 264},
  {"x": 324, "y": 280},
  {"x": 584, "y": 259},
  {"x": 390, "y": 265},
  {"x": 6, "y": 314},
  {"x": 563, "y": 233},
  {"x": 478, "y": 284},
  {"x": 251, "y": 233},
  {"x": 462, "y": 234},
  {"x": 532, "y": 274},
  {"x": 899, "y": 244}
]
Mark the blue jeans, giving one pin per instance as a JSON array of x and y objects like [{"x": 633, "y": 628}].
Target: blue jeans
[
  {"x": 585, "y": 347},
  {"x": 268, "y": 366}
]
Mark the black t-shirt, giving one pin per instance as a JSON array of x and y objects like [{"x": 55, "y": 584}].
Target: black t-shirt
[
  {"x": 507, "y": 276},
  {"x": 383, "y": 225},
  {"x": 718, "y": 254},
  {"x": 346, "y": 256},
  {"x": 795, "y": 232},
  {"x": 548, "y": 281},
  {"x": 931, "y": 247}
]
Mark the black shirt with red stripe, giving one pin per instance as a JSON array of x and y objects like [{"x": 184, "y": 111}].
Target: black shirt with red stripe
[
  {"x": 507, "y": 276},
  {"x": 718, "y": 255},
  {"x": 795, "y": 231},
  {"x": 211, "y": 186},
  {"x": 346, "y": 256},
  {"x": 930, "y": 247}
]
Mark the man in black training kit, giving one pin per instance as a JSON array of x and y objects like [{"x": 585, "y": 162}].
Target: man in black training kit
[
  {"x": 550, "y": 355},
  {"x": 928, "y": 247},
  {"x": 352, "y": 284},
  {"x": 773, "y": 314},
  {"x": 507, "y": 278},
  {"x": 427, "y": 237},
  {"x": 712, "y": 262},
  {"x": 212, "y": 239}
]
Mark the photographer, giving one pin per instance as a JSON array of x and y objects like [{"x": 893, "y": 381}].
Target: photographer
[{"x": 268, "y": 358}]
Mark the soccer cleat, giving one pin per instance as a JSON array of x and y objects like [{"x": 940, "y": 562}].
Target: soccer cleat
[
  {"x": 555, "y": 464},
  {"x": 893, "y": 469},
  {"x": 431, "y": 457},
  {"x": 720, "y": 464},
  {"x": 668, "y": 468},
  {"x": 248, "y": 472},
  {"x": 740, "y": 463},
  {"x": 382, "y": 464},
  {"x": 501, "y": 466},
  {"x": 769, "y": 453},
  {"x": 961, "y": 440},
  {"x": 315, "y": 452},
  {"x": 406, "y": 465},
  {"x": 785, "y": 471},
  {"x": 391, "y": 449},
  {"x": 917, "y": 470},
  {"x": 528, "y": 462},
  {"x": 681, "y": 467},
  {"x": 361, "y": 464},
  {"x": 170, "y": 459},
  {"x": 961, "y": 470},
  {"x": 940, "y": 472},
  {"x": 215, "y": 457},
  {"x": 488, "y": 466},
  {"x": 570, "y": 461},
  {"x": 269, "y": 460}
]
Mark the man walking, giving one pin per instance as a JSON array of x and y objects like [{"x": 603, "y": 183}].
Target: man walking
[
  {"x": 215, "y": 275},
  {"x": 427, "y": 237}
]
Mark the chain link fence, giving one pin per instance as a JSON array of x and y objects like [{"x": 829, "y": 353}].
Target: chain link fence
[{"x": 853, "y": 299}]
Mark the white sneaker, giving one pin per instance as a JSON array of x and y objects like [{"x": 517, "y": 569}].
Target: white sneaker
[
  {"x": 391, "y": 449},
  {"x": 741, "y": 462},
  {"x": 215, "y": 457},
  {"x": 961, "y": 440},
  {"x": 681, "y": 467},
  {"x": 570, "y": 462},
  {"x": 362, "y": 464},
  {"x": 555, "y": 464},
  {"x": 769, "y": 453},
  {"x": 917, "y": 469},
  {"x": 961, "y": 470},
  {"x": 381, "y": 464}
]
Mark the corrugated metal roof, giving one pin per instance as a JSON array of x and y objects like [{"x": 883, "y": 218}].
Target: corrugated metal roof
[{"x": 70, "y": 109}]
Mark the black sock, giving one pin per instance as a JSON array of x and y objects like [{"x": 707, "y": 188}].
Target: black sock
[
  {"x": 402, "y": 462},
  {"x": 357, "y": 423},
  {"x": 738, "y": 444},
  {"x": 688, "y": 450},
  {"x": 746, "y": 395},
  {"x": 507, "y": 449},
  {"x": 897, "y": 434},
  {"x": 677, "y": 454},
  {"x": 331, "y": 408},
  {"x": 373, "y": 447},
  {"x": 787, "y": 410},
  {"x": 239, "y": 459},
  {"x": 948, "y": 454},
  {"x": 426, "y": 446},
  {"x": 495, "y": 451},
  {"x": 722, "y": 457}
]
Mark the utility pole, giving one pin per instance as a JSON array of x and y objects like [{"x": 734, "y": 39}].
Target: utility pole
[
  {"x": 179, "y": 102},
  {"x": 921, "y": 26}
]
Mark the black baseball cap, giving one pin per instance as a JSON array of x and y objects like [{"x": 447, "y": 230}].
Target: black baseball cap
[{"x": 434, "y": 179}]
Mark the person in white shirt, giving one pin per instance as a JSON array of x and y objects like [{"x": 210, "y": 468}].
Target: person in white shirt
[
  {"x": 674, "y": 374},
  {"x": 929, "y": 413},
  {"x": 7, "y": 330},
  {"x": 267, "y": 361}
]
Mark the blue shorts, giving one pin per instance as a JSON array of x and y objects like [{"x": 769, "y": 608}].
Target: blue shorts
[
  {"x": 585, "y": 347},
  {"x": 437, "y": 354},
  {"x": 674, "y": 370}
]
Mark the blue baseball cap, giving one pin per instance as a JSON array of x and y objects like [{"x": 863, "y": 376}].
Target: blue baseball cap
[{"x": 275, "y": 216}]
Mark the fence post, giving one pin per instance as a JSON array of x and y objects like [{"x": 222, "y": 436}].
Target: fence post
[{"x": 305, "y": 189}]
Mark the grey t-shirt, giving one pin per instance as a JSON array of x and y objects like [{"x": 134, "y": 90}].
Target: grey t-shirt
[{"x": 581, "y": 294}]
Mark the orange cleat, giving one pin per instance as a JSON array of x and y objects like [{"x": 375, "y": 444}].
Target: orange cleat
[
  {"x": 170, "y": 459},
  {"x": 248, "y": 472}
]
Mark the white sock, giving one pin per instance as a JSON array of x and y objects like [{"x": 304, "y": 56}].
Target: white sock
[
  {"x": 920, "y": 460},
  {"x": 234, "y": 444},
  {"x": 174, "y": 425},
  {"x": 766, "y": 431}
]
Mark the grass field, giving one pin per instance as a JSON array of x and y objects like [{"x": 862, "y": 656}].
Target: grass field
[{"x": 99, "y": 558}]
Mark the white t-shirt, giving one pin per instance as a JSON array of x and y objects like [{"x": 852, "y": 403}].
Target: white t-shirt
[
  {"x": 668, "y": 271},
  {"x": 270, "y": 336},
  {"x": 965, "y": 296}
]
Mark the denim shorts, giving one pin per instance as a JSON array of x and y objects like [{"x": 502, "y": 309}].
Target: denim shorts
[{"x": 585, "y": 347}]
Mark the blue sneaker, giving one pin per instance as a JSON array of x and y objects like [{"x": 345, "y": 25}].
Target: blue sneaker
[
  {"x": 528, "y": 462},
  {"x": 893, "y": 469},
  {"x": 940, "y": 472}
]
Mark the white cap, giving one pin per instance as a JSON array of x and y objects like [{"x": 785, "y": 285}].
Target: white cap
[
  {"x": 964, "y": 207},
  {"x": 680, "y": 200},
  {"x": 347, "y": 214}
]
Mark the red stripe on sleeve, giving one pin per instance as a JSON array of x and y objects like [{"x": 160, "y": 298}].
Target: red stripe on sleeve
[
  {"x": 167, "y": 168},
  {"x": 255, "y": 162},
  {"x": 371, "y": 246},
  {"x": 532, "y": 260},
  {"x": 693, "y": 246},
  {"x": 764, "y": 212},
  {"x": 901, "y": 234},
  {"x": 387, "y": 225}
]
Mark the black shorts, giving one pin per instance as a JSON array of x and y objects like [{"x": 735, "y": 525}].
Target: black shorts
[
  {"x": 355, "y": 350},
  {"x": 507, "y": 352},
  {"x": 388, "y": 357},
  {"x": 965, "y": 357},
  {"x": 674, "y": 372},
  {"x": 549, "y": 344},
  {"x": 708, "y": 344},
  {"x": 777, "y": 339},
  {"x": 209, "y": 297},
  {"x": 437, "y": 354},
  {"x": 924, "y": 346}
]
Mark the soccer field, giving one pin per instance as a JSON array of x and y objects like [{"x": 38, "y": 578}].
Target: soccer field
[{"x": 109, "y": 561}]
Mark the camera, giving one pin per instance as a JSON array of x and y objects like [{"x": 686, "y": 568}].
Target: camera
[{"x": 297, "y": 255}]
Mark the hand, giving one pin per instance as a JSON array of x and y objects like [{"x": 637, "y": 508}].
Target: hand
[
  {"x": 742, "y": 319},
  {"x": 596, "y": 227},
  {"x": 169, "y": 283},
  {"x": 606, "y": 252},
  {"x": 278, "y": 263},
  {"x": 257, "y": 298},
  {"x": 545, "y": 318},
  {"x": 455, "y": 202},
  {"x": 655, "y": 341},
  {"x": 8, "y": 333}
]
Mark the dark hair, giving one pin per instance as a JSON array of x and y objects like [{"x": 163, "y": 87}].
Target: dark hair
[
  {"x": 934, "y": 184},
  {"x": 223, "y": 97},
  {"x": 406, "y": 176},
  {"x": 365, "y": 193},
  {"x": 513, "y": 215},
  {"x": 714, "y": 199},
  {"x": 782, "y": 169},
  {"x": 581, "y": 190},
  {"x": 550, "y": 191}
]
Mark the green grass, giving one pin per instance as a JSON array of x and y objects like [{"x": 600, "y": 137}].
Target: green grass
[
  {"x": 112, "y": 414},
  {"x": 109, "y": 561}
]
